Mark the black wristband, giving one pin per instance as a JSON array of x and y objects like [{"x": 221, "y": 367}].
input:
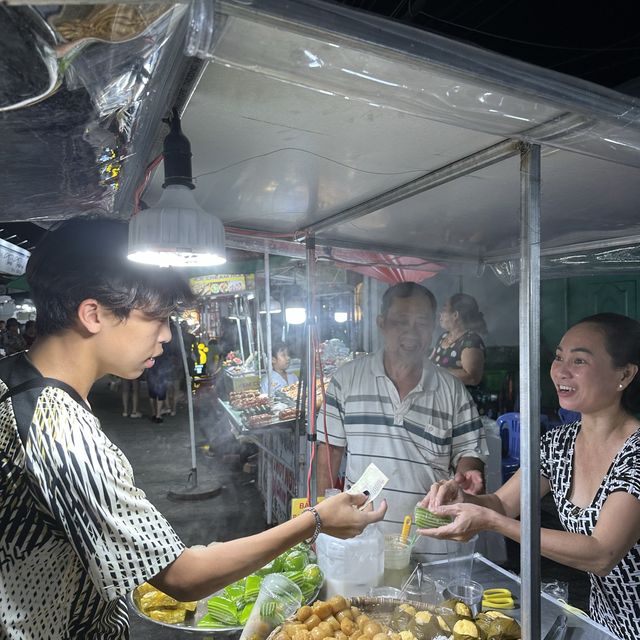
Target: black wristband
[{"x": 318, "y": 528}]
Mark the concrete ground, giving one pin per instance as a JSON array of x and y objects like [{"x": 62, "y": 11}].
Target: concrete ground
[{"x": 161, "y": 459}]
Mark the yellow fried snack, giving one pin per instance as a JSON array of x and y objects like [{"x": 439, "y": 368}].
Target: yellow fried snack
[
  {"x": 168, "y": 616},
  {"x": 145, "y": 587},
  {"x": 161, "y": 607}
]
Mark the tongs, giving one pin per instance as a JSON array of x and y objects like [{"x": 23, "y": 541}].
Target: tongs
[
  {"x": 558, "y": 629},
  {"x": 418, "y": 571}
]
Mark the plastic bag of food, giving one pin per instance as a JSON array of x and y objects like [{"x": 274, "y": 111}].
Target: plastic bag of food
[{"x": 278, "y": 599}]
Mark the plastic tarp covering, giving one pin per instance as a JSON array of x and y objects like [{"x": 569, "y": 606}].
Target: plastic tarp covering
[
  {"x": 581, "y": 263},
  {"x": 82, "y": 90},
  {"x": 381, "y": 266},
  {"x": 305, "y": 110},
  {"x": 309, "y": 111}
]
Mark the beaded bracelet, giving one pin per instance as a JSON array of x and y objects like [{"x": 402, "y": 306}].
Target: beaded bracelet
[{"x": 318, "y": 529}]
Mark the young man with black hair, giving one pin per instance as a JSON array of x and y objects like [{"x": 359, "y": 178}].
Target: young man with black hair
[{"x": 76, "y": 534}]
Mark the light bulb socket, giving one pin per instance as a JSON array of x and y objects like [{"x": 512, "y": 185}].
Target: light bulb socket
[{"x": 176, "y": 152}]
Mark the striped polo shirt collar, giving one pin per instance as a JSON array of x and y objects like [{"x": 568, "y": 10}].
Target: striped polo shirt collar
[{"x": 428, "y": 381}]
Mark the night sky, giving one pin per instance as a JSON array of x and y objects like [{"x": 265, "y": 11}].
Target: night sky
[{"x": 596, "y": 41}]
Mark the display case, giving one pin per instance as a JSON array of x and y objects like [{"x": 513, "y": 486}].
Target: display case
[{"x": 281, "y": 460}]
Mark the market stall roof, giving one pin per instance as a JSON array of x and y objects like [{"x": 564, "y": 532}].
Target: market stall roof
[
  {"x": 307, "y": 111},
  {"x": 312, "y": 117}
]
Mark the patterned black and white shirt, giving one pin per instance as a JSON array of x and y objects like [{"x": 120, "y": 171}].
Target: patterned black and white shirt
[
  {"x": 76, "y": 534},
  {"x": 615, "y": 598}
]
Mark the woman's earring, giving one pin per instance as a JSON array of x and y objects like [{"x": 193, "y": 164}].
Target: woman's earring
[{"x": 620, "y": 386}]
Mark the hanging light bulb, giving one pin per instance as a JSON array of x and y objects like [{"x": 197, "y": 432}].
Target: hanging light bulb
[
  {"x": 177, "y": 231},
  {"x": 295, "y": 315},
  {"x": 274, "y": 307},
  {"x": 340, "y": 316}
]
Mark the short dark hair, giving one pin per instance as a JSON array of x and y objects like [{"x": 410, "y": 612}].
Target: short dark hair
[
  {"x": 622, "y": 342},
  {"x": 470, "y": 315},
  {"x": 87, "y": 258},
  {"x": 277, "y": 347},
  {"x": 406, "y": 290},
  {"x": 12, "y": 322}
]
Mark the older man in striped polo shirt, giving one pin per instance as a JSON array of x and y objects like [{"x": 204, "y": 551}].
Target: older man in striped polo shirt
[{"x": 394, "y": 408}]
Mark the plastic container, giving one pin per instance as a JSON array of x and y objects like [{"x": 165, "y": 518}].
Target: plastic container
[
  {"x": 351, "y": 567},
  {"x": 278, "y": 599},
  {"x": 397, "y": 555},
  {"x": 426, "y": 591},
  {"x": 468, "y": 591},
  {"x": 460, "y": 558}
]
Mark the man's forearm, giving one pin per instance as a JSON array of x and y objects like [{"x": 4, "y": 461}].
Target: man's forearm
[{"x": 325, "y": 479}]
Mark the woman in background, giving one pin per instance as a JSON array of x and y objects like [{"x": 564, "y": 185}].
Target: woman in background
[
  {"x": 591, "y": 468},
  {"x": 460, "y": 348}
]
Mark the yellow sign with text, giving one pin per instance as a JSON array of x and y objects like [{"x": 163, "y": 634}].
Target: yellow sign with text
[{"x": 298, "y": 505}]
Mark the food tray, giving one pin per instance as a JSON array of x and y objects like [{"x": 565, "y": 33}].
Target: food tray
[
  {"x": 379, "y": 608},
  {"x": 190, "y": 623}
]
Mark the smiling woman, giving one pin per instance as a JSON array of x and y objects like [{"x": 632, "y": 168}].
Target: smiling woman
[{"x": 591, "y": 468}]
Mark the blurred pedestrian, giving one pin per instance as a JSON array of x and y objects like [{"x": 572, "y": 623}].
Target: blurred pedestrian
[
  {"x": 29, "y": 332},
  {"x": 130, "y": 389},
  {"x": 12, "y": 341},
  {"x": 158, "y": 378}
]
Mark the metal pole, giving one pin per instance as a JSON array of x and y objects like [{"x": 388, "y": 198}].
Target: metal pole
[
  {"x": 464, "y": 166},
  {"x": 187, "y": 378},
  {"x": 311, "y": 366},
  {"x": 529, "y": 389},
  {"x": 267, "y": 308},
  {"x": 249, "y": 326},
  {"x": 239, "y": 328},
  {"x": 259, "y": 336}
]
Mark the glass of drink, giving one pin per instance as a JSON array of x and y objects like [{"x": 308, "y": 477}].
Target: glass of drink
[{"x": 396, "y": 561}]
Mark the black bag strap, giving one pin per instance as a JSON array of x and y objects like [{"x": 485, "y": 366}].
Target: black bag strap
[{"x": 42, "y": 382}]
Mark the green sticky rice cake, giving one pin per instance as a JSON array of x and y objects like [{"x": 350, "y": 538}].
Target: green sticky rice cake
[{"x": 425, "y": 519}]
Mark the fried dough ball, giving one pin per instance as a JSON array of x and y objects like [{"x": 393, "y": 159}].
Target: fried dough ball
[
  {"x": 338, "y": 603},
  {"x": 341, "y": 615}
]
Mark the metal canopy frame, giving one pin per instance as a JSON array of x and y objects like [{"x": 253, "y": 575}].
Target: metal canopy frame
[{"x": 572, "y": 115}]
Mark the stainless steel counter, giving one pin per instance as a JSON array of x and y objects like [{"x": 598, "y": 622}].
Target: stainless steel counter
[
  {"x": 491, "y": 575},
  {"x": 281, "y": 463}
]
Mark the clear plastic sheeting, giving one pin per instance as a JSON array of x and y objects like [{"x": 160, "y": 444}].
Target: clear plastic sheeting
[
  {"x": 76, "y": 149},
  {"x": 580, "y": 263},
  {"x": 202, "y": 34},
  {"x": 391, "y": 66},
  {"x": 28, "y": 65},
  {"x": 113, "y": 50}
]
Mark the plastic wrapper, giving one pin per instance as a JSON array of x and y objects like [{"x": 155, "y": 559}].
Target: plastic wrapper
[
  {"x": 278, "y": 599},
  {"x": 28, "y": 63},
  {"x": 495, "y": 625},
  {"x": 82, "y": 149},
  {"x": 113, "y": 50},
  {"x": 566, "y": 264},
  {"x": 203, "y": 30}
]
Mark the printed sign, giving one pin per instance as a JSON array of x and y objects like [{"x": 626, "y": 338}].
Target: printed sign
[
  {"x": 13, "y": 259},
  {"x": 298, "y": 505},
  {"x": 217, "y": 284}
]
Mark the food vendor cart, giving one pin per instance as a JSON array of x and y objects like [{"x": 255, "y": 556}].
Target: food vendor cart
[{"x": 363, "y": 136}]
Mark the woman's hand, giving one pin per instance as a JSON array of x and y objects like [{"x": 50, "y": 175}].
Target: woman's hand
[
  {"x": 442, "y": 492},
  {"x": 342, "y": 518},
  {"x": 468, "y": 519}
]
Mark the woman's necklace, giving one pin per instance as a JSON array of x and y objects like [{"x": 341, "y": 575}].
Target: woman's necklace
[{"x": 450, "y": 339}]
